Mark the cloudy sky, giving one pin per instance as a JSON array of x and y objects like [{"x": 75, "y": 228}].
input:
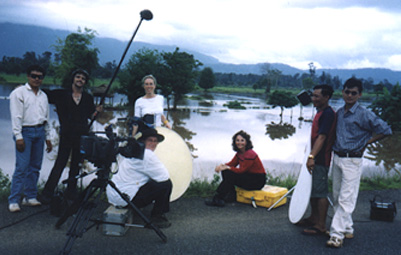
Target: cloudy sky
[{"x": 330, "y": 33}]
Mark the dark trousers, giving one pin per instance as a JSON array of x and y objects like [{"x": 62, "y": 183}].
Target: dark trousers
[
  {"x": 226, "y": 189},
  {"x": 68, "y": 145},
  {"x": 159, "y": 192}
]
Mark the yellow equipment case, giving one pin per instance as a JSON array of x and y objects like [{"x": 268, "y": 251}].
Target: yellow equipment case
[{"x": 265, "y": 197}]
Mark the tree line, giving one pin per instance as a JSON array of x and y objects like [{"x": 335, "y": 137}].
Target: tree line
[
  {"x": 178, "y": 72},
  {"x": 206, "y": 79},
  {"x": 273, "y": 78}
]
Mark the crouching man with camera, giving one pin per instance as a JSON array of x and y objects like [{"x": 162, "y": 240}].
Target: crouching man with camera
[{"x": 144, "y": 181}]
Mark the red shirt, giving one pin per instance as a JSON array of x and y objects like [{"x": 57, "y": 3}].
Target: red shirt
[
  {"x": 248, "y": 162},
  {"x": 324, "y": 123}
]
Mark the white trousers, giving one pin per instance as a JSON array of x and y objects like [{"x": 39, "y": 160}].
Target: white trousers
[{"x": 346, "y": 179}]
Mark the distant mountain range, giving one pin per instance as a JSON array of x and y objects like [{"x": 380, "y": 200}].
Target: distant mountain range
[{"x": 17, "y": 39}]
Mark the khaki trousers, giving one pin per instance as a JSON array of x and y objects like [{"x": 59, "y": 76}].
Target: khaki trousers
[{"x": 346, "y": 173}]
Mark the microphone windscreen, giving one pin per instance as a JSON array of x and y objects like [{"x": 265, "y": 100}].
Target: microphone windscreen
[{"x": 146, "y": 15}]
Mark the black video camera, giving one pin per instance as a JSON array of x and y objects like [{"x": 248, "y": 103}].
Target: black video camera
[
  {"x": 305, "y": 97},
  {"x": 98, "y": 150},
  {"x": 143, "y": 123},
  {"x": 102, "y": 151}
]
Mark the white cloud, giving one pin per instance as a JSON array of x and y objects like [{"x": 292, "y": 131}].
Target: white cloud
[
  {"x": 333, "y": 34},
  {"x": 394, "y": 62}
]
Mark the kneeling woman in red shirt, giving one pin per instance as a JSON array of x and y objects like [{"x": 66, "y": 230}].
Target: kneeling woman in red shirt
[{"x": 245, "y": 170}]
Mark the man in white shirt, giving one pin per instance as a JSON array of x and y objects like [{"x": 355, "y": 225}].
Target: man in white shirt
[
  {"x": 144, "y": 181},
  {"x": 29, "y": 119}
]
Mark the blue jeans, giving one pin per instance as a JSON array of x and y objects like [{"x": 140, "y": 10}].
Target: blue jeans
[{"x": 28, "y": 164}]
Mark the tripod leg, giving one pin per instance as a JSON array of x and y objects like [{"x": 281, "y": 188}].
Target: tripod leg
[
  {"x": 278, "y": 201},
  {"x": 73, "y": 208},
  {"x": 79, "y": 226},
  {"x": 147, "y": 221},
  {"x": 85, "y": 211},
  {"x": 330, "y": 202}
]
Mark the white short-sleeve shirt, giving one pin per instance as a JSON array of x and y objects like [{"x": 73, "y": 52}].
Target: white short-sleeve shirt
[{"x": 153, "y": 106}]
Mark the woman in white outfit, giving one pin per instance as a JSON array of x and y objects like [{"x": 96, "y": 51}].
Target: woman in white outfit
[{"x": 151, "y": 104}]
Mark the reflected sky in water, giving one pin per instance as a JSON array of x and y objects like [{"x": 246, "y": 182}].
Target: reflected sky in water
[
  {"x": 215, "y": 129},
  {"x": 209, "y": 131}
]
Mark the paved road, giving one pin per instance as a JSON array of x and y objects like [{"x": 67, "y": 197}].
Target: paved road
[{"x": 198, "y": 229}]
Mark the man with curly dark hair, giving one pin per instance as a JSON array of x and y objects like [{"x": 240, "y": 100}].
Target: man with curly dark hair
[{"x": 75, "y": 108}]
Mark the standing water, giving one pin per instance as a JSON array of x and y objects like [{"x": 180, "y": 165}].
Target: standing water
[{"x": 208, "y": 127}]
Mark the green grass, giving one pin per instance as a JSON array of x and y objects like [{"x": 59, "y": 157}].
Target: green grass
[
  {"x": 98, "y": 82},
  {"x": 236, "y": 90},
  {"x": 234, "y": 105},
  {"x": 366, "y": 96},
  {"x": 49, "y": 80},
  {"x": 205, "y": 188},
  {"x": 14, "y": 79},
  {"x": 380, "y": 183},
  {"x": 286, "y": 181},
  {"x": 202, "y": 188},
  {"x": 5, "y": 186},
  {"x": 196, "y": 97}
]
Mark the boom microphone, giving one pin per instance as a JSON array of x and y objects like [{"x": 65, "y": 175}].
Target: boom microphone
[{"x": 146, "y": 15}]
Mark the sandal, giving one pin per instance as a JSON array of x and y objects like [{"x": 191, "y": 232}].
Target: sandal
[{"x": 313, "y": 231}]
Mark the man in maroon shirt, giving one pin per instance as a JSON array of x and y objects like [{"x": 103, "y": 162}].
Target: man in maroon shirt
[{"x": 322, "y": 139}]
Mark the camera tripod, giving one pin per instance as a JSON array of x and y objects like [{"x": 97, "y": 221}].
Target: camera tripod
[{"x": 85, "y": 205}]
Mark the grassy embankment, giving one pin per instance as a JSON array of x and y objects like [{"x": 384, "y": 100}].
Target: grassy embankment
[
  {"x": 204, "y": 188},
  {"x": 366, "y": 96},
  {"x": 49, "y": 80},
  {"x": 21, "y": 79}
]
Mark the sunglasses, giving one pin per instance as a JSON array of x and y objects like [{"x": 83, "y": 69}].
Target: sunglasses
[
  {"x": 35, "y": 76},
  {"x": 354, "y": 93}
]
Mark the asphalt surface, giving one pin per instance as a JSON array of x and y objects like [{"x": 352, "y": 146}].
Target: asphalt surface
[{"x": 199, "y": 229}]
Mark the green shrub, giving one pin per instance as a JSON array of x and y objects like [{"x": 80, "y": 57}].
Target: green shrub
[
  {"x": 203, "y": 188},
  {"x": 287, "y": 181},
  {"x": 387, "y": 107},
  {"x": 206, "y": 103},
  {"x": 5, "y": 186},
  {"x": 235, "y": 105}
]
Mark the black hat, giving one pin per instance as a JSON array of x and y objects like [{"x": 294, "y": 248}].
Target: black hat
[{"x": 151, "y": 132}]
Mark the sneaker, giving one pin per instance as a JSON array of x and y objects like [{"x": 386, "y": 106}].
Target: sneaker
[
  {"x": 14, "y": 207},
  {"x": 30, "y": 202},
  {"x": 215, "y": 202},
  {"x": 161, "y": 221},
  {"x": 334, "y": 242},
  {"x": 349, "y": 235}
]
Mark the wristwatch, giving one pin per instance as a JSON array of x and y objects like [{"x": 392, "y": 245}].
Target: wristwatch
[{"x": 311, "y": 156}]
